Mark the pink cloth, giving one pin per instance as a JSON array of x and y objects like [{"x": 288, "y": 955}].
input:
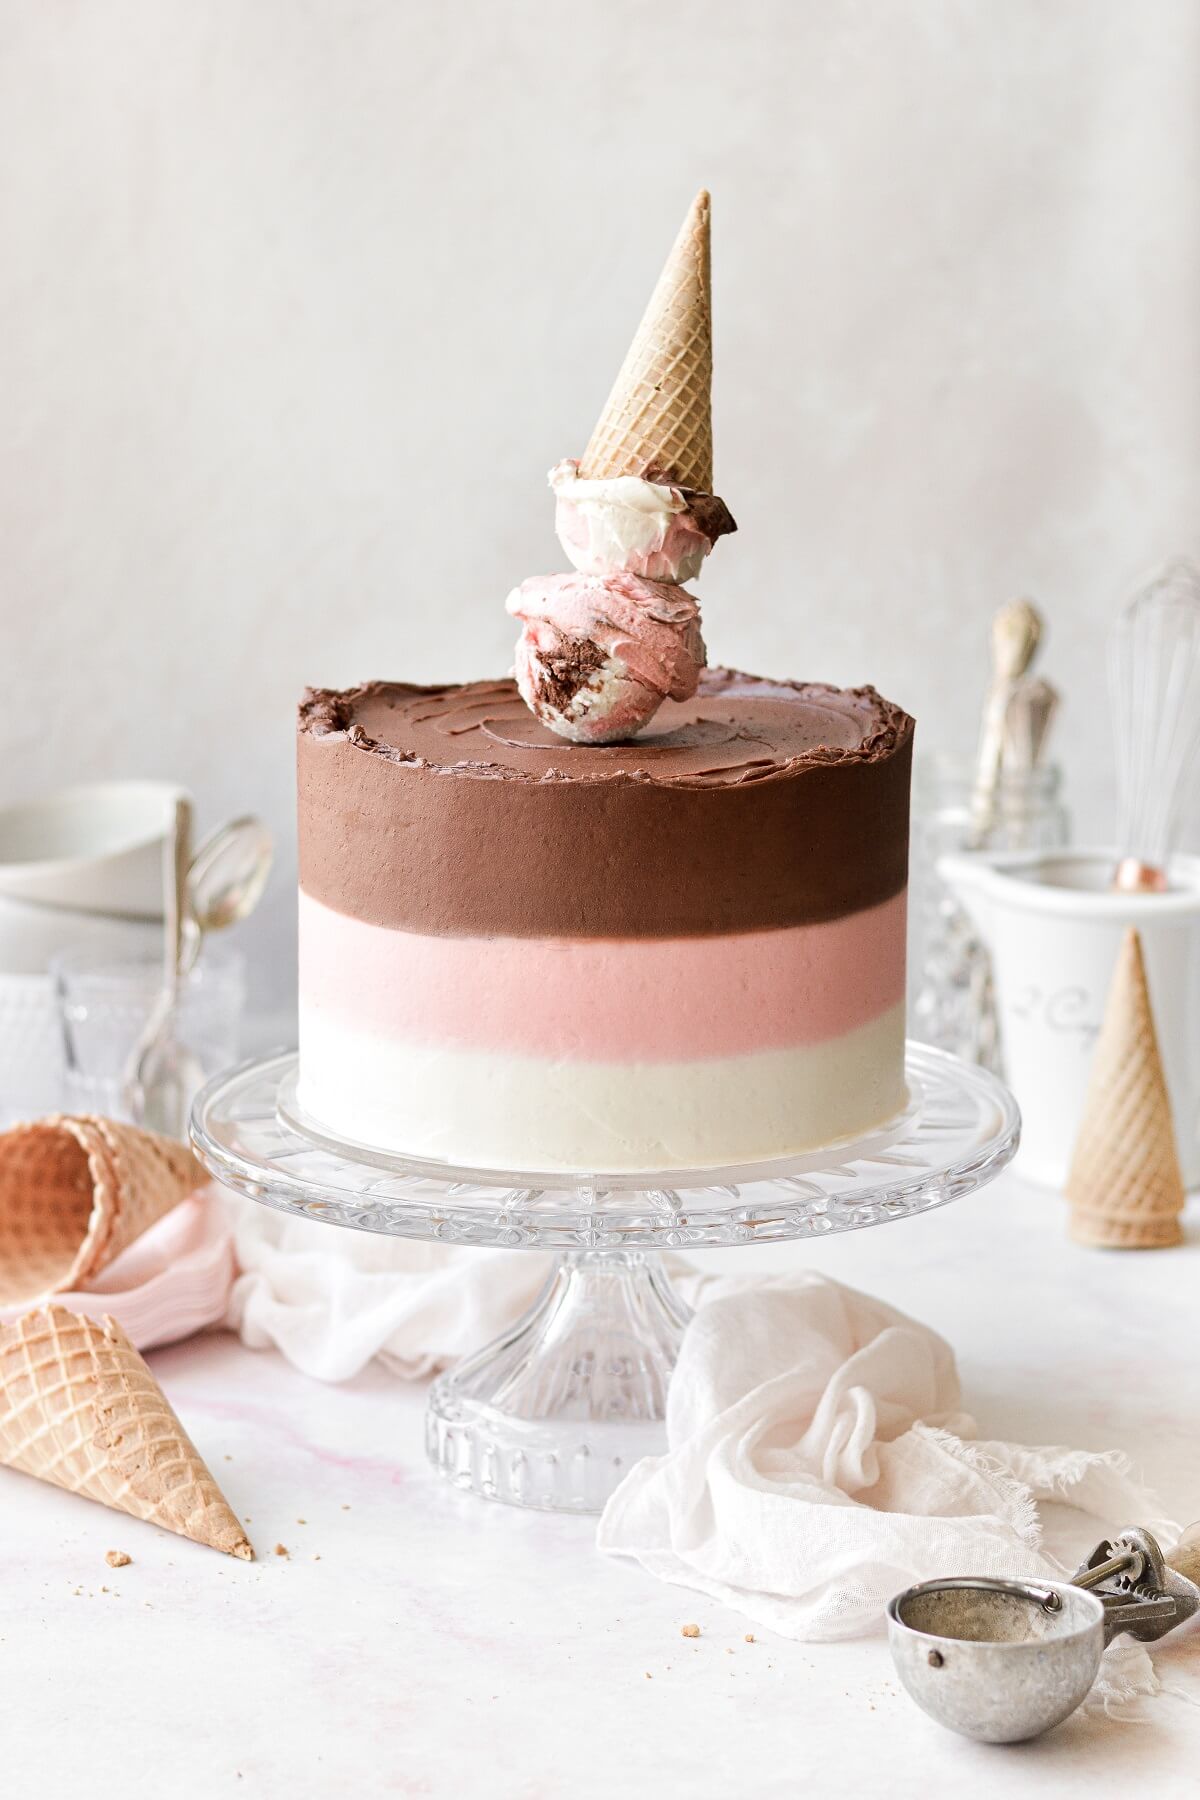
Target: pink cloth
[{"x": 172, "y": 1281}]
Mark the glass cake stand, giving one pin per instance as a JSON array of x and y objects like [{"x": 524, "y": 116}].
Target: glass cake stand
[{"x": 554, "y": 1413}]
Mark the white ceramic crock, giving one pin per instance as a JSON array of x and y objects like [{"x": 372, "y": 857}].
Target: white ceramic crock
[{"x": 1053, "y": 930}]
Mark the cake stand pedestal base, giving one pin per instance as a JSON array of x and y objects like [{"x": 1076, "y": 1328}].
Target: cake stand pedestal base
[{"x": 555, "y": 1413}]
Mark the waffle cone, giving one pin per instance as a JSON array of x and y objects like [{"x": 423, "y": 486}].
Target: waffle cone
[
  {"x": 659, "y": 414},
  {"x": 74, "y": 1193},
  {"x": 1125, "y": 1188},
  {"x": 79, "y": 1408}
]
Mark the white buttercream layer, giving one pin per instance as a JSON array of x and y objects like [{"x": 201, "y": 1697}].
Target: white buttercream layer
[{"x": 487, "y": 1110}]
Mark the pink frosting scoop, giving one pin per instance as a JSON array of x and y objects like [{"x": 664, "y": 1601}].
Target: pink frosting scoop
[{"x": 598, "y": 655}]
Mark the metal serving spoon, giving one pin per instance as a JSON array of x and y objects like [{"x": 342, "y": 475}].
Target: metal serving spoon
[
  {"x": 162, "y": 1075},
  {"x": 226, "y": 880},
  {"x": 1001, "y": 1661},
  {"x": 218, "y": 887}
]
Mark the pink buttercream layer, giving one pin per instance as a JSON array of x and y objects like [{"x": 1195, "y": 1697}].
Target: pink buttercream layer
[{"x": 606, "y": 1000}]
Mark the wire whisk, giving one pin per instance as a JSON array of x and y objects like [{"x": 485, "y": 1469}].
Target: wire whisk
[{"x": 1154, "y": 679}]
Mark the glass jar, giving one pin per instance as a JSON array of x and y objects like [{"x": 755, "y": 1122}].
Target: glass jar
[
  {"x": 949, "y": 985},
  {"x": 1030, "y": 812}
]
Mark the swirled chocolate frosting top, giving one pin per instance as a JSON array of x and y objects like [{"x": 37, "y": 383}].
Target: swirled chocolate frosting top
[{"x": 757, "y": 804}]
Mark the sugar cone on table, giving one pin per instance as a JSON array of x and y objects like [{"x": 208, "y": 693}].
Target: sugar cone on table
[
  {"x": 659, "y": 413},
  {"x": 1125, "y": 1187},
  {"x": 79, "y": 1408},
  {"x": 74, "y": 1193}
]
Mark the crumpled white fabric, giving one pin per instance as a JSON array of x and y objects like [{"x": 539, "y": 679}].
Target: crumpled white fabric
[
  {"x": 332, "y": 1300},
  {"x": 818, "y": 1458},
  {"x": 819, "y": 1462}
]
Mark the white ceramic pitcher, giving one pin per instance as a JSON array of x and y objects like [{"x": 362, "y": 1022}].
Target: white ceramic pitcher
[{"x": 1053, "y": 929}]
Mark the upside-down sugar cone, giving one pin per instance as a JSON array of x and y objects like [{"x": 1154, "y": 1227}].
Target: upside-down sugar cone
[
  {"x": 79, "y": 1408},
  {"x": 1125, "y": 1188},
  {"x": 659, "y": 413},
  {"x": 74, "y": 1193}
]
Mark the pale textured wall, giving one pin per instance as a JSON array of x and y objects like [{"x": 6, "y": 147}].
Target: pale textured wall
[{"x": 299, "y": 301}]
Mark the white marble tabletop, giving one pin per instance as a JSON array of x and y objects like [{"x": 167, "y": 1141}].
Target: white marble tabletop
[{"x": 418, "y": 1642}]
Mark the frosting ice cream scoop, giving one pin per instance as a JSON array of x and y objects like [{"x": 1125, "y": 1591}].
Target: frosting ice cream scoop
[
  {"x": 598, "y": 655},
  {"x": 601, "y": 650},
  {"x": 633, "y": 523}
]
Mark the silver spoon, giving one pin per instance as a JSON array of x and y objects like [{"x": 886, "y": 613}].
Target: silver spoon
[
  {"x": 225, "y": 881},
  {"x": 162, "y": 1075}
]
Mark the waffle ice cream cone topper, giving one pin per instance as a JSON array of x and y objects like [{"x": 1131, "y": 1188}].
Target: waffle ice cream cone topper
[{"x": 601, "y": 649}]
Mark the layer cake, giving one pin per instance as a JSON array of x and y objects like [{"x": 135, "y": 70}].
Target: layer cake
[{"x": 679, "y": 952}]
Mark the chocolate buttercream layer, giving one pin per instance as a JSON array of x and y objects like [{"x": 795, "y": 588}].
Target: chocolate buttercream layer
[{"x": 756, "y": 804}]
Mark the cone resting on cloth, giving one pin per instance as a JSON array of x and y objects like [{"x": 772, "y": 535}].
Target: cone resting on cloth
[
  {"x": 76, "y": 1192},
  {"x": 1125, "y": 1186},
  {"x": 79, "y": 1408}
]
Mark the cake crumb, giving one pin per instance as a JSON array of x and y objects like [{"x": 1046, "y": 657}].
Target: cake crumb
[
  {"x": 302, "y": 1521},
  {"x": 281, "y": 1550},
  {"x": 749, "y": 1638},
  {"x": 117, "y": 1559},
  {"x": 689, "y": 1631},
  {"x": 345, "y": 1507}
]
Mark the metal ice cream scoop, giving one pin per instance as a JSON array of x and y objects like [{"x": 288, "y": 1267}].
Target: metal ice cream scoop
[{"x": 1001, "y": 1661}]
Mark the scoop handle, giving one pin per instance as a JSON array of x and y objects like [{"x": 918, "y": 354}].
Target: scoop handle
[{"x": 1185, "y": 1557}]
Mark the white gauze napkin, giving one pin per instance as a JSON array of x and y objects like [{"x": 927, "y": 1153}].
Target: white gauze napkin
[
  {"x": 818, "y": 1463},
  {"x": 818, "y": 1460},
  {"x": 332, "y": 1300}
]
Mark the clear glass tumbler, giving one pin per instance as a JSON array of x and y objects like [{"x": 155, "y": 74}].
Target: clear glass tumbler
[{"x": 105, "y": 1001}]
